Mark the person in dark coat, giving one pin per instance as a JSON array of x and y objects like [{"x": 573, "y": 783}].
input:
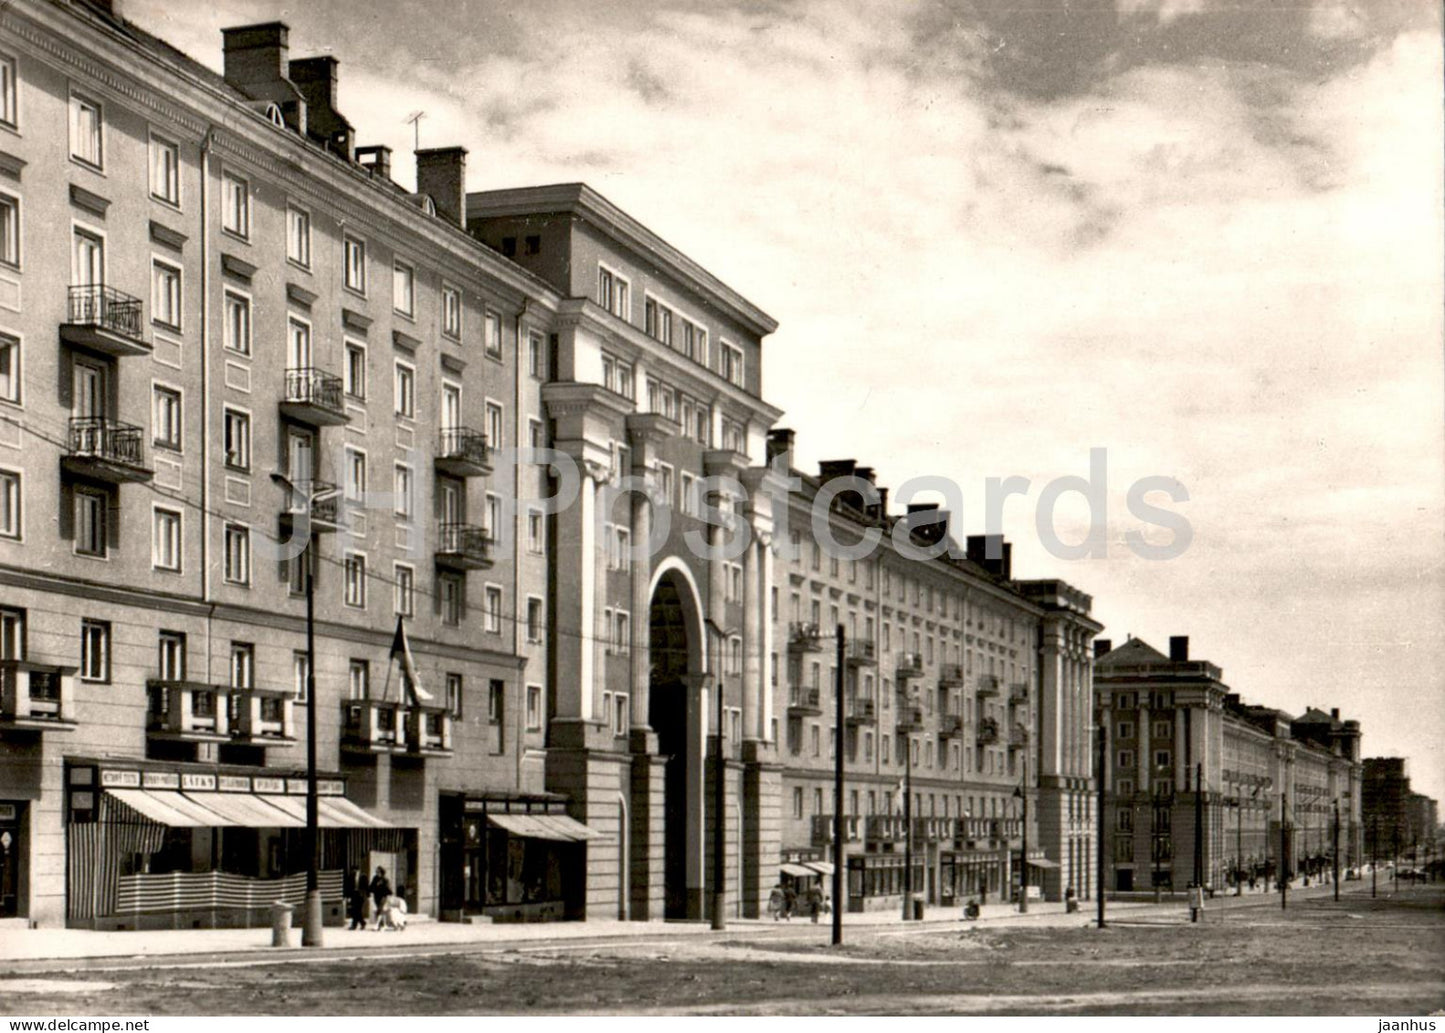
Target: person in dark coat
[
  {"x": 380, "y": 889},
  {"x": 356, "y": 899}
]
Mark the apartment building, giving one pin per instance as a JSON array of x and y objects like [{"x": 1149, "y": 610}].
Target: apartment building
[
  {"x": 1188, "y": 763},
  {"x": 966, "y": 696}
]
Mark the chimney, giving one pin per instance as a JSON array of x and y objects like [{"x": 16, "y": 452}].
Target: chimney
[
  {"x": 883, "y": 504},
  {"x": 316, "y": 78},
  {"x": 1179, "y": 647},
  {"x": 927, "y": 522},
  {"x": 866, "y": 472},
  {"x": 1334, "y": 713},
  {"x": 256, "y": 63},
  {"x": 376, "y": 160},
  {"x": 1102, "y": 646},
  {"x": 110, "y": 7},
  {"x": 441, "y": 174},
  {"x": 780, "y": 443}
]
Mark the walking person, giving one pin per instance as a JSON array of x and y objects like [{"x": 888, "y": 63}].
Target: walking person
[
  {"x": 815, "y": 902},
  {"x": 790, "y": 902},
  {"x": 380, "y": 890},
  {"x": 356, "y": 899},
  {"x": 776, "y": 901}
]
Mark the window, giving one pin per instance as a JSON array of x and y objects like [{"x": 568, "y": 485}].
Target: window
[
  {"x": 451, "y": 312},
  {"x": 171, "y": 656},
  {"x": 496, "y": 701},
  {"x": 10, "y": 230},
  {"x": 536, "y": 434},
  {"x": 91, "y": 508},
  {"x": 238, "y": 440},
  {"x": 356, "y": 580},
  {"x": 404, "y": 601},
  {"x": 166, "y": 539},
  {"x": 492, "y": 342},
  {"x": 355, "y": 486},
  {"x": 454, "y": 694},
  {"x": 492, "y": 610},
  {"x": 300, "y": 675},
  {"x": 617, "y": 376},
  {"x": 1126, "y": 730},
  {"x": 165, "y": 170},
  {"x": 243, "y": 665},
  {"x": 165, "y": 295},
  {"x": 238, "y": 554},
  {"x": 235, "y": 204},
  {"x": 298, "y": 236},
  {"x": 622, "y": 632},
  {"x": 621, "y": 714},
  {"x": 536, "y": 357},
  {"x": 10, "y": 525},
  {"x": 9, "y": 106},
  {"x": 403, "y": 288},
  {"x": 1163, "y": 729},
  {"x": 405, "y": 390},
  {"x": 87, "y": 129},
  {"x": 534, "y": 708},
  {"x": 1161, "y": 758},
  {"x": 690, "y": 498},
  {"x": 536, "y": 536},
  {"x": 402, "y": 492},
  {"x": 238, "y": 323},
  {"x": 732, "y": 363},
  {"x": 657, "y": 321},
  {"x": 95, "y": 651},
  {"x": 166, "y": 418},
  {"x": 493, "y": 428},
  {"x": 664, "y": 483},
  {"x": 299, "y": 568},
  {"x": 9, "y": 368},
  {"x": 534, "y": 619},
  {"x": 358, "y": 680},
  {"x": 355, "y": 259},
  {"x": 450, "y": 589},
  {"x": 1124, "y": 820},
  {"x": 492, "y": 519}
]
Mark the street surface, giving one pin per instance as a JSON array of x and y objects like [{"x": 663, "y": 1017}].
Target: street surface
[{"x": 1248, "y": 957}]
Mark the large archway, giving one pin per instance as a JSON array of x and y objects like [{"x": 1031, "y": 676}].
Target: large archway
[{"x": 677, "y": 655}]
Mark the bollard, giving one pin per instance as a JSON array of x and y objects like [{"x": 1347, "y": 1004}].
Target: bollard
[{"x": 280, "y": 924}]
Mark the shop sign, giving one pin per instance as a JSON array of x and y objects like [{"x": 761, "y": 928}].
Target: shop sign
[
  {"x": 296, "y": 786},
  {"x": 331, "y": 787},
  {"x": 196, "y": 781},
  {"x": 161, "y": 780},
  {"x": 120, "y": 779},
  {"x": 234, "y": 783},
  {"x": 269, "y": 785}
]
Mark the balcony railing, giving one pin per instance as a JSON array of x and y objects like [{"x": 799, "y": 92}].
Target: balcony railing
[
  {"x": 910, "y": 665},
  {"x": 861, "y": 651},
  {"x": 950, "y": 675},
  {"x": 313, "y": 396},
  {"x": 325, "y": 512},
  {"x": 105, "y": 320},
  {"x": 805, "y": 700},
  {"x": 860, "y": 710},
  {"x": 910, "y": 718},
  {"x": 429, "y": 732},
  {"x": 988, "y": 685},
  {"x": 950, "y": 724},
  {"x": 823, "y": 828},
  {"x": 36, "y": 697},
  {"x": 463, "y": 452},
  {"x": 373, "y": 726},
  {"x": 987, "y": 732},
  {"x": 106, "y": 450},
  {"x": 1018, "y": 737},
  {"x": 463, "y": 547},
  {"x": 262, "y": 717},
  {"x": 1018, "y": 692},
  {"x": 191, "y": 711},
  {"x": 805, "y": 637}
]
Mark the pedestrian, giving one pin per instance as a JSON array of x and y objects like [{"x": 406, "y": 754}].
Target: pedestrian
[
  {"x": 393, "y": 912},
  {"x": 776, "y": 901},
  {"x": 356, "y": 899},
  {"x": 380, "y": 890},
  {"x": 790, "y": 902},
  {"x": 815, "y": 902}
]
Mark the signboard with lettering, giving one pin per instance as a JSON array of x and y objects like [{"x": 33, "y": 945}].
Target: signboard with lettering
[
  {"x": 269, "y": 785},
  {"x": 161, "y": 780},
  {"x": 197, "y": 781},
  {"x": 234, "y": 784},
  {"x": 120, "y": 779},
  {"x": 296, "y": 785},
  {"x": 330, "y": 787}
]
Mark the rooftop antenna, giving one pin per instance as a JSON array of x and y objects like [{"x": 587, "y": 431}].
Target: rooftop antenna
[{"x": 415, "y": 119}]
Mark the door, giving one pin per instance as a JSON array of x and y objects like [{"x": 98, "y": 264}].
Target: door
[
  {"x": 89, "y": 397},
  {"x": 298, "y": 346},
  {"x": 87, "y": 260},
  {"x": 300, "y": 456},
  {"x": 11, "y": 858},
  {"x": 451, "y": 407},
  {"x": 451, "y": 503}
]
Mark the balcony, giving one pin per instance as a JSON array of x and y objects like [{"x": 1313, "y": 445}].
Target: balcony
[
  {"x": 950, "y": 676},
  {"x": 1018, "y": 692},
  {"x": 1018, "y": 737},
  {"x": 313, "y": 397},
  {"x": 861, "y": 653},
  {"x": 859, "y": 710},
  {"x": 104, "y": 320},
  {"x": 372, "y": 726},
  {"x": 36, "y": 697},
  {"x": 325, "y": 512},
  {"x": 910, "y": 665},
  {"x": 102, "y": 449},
  {"x": 187, "y": 711},
  {"x": 805, "y": 637},
  {"x": 262, "y": 717},
  {"x": 804, "y": 702},
  {"x": 910, "y": 719},
  {"x": 823, "y": 828},
  {"x": 463, "y": 452},
  {"x": 950, "y": 725},
  {"x": 987, "y": 732},
  {"x": 988, "y": 685},
  {"x": 463, "y": 547},
  {"x": 429, "y": 732}
]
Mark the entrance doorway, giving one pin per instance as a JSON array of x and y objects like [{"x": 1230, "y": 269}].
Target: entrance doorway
[
  {"x": 673, "y": 714},
  {"x": 11, "y": 858}
]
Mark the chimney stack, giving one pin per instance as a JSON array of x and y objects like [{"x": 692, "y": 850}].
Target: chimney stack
[
  {"x": 991, "y": 553},
  {"x": 780, "y": 443},
  {"x": 441, "y": 174},
  {"x": 376, "y": 160},
  {"x": 256, "y": 62},
  {"x": 927, "y": 522},
  {"x": 316, "y": 78},
  {"x": 1102, "y": 646},
  {"x": 1179, "y": 647}
]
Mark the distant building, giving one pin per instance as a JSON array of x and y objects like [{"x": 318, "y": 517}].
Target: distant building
[{"x": 1398, "y": 821}]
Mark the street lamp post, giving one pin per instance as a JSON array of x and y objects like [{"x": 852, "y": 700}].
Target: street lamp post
[
  {"x": 1023, "y": 793},
  {"x": 1335, "y": 848},
  {"x": 311, "y": 922},
  {"x": 719, "y": 840}
]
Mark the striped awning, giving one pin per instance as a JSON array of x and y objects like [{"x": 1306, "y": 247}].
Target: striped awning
[
  {"x": 797, "y": 871},
  {"x": 1042, "y": 862},
  {"x": 821, "y": 867},
  {"x": 246, "y": 811},
  {"x": 560, "y": 828},
  {"x": 168, "y": 807},
  {"x": 332, "y": 812}
]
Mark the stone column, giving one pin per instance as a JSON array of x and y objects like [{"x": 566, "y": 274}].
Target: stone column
[{"x": 754, "y": 604}]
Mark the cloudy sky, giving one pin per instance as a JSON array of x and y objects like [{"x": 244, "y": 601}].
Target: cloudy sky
[{"x": 1204, "y": 235}]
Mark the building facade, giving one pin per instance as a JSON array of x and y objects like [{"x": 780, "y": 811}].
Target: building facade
[{"x": 1204, "y": 788}]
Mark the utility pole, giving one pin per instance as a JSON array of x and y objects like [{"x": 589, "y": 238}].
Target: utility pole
[
  {"x": 313, "y": 919},
  {"x": 1099, "y": 823},
  {"x": 1239, "y": 845},
  {"x": 1199, "y": 828},
  {"x": 1335, "y": 849},
  {"x": 841, "y": 645},
  {"x": 1374, "y": 856},
  {"x": 719, "y": 834},
  {"x": 1283, "y": 876},
  {"x": 1024, "y": 844},
  {"x": 907, "y": 827}
]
